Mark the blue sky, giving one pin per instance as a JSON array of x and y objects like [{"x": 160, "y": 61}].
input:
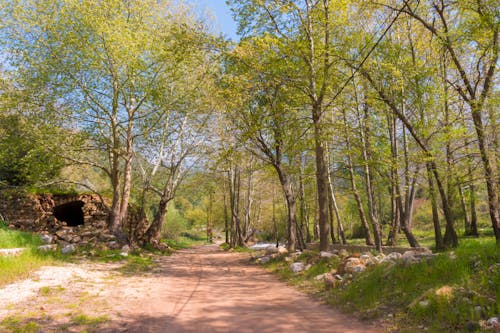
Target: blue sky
[{"x": 223, "y": 20}]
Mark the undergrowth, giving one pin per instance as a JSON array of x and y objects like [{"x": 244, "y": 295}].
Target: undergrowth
[{"x": 453, "y": 292}]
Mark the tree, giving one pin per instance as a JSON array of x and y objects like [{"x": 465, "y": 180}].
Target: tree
[{"x": 103, "y": 61}]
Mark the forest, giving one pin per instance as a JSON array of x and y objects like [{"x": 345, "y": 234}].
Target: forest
[{"x": 350, "y": 121}]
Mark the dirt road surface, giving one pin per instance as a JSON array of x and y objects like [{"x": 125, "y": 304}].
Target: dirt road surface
[{"x": 197, "y": 290}]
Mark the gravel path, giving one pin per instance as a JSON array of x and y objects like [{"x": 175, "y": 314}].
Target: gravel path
[{"x": 198, "y": 290}]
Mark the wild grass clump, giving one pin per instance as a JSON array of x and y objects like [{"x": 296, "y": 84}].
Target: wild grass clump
[
  {"x": 447, "y": 292},
  {"x": 14, "y": 238},
  {"x": 18, "y": 267}
]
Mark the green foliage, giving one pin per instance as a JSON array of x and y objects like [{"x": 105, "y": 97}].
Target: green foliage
[{"x": 25, "y": 156}]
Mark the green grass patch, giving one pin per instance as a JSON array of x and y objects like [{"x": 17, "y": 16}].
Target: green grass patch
[
  {"x": 20, "y": 325},
  {"x": 10, "y": 239},
  {"x": 17, "y": 267},
  {"x": 185, "y": 241},
  {"x": 442, "y": 294},
  {"x": 85, "y": 320},
  {"x": 137, "y": 264}
]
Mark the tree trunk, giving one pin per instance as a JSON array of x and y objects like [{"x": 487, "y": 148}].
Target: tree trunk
[
  {"x": 304, "y": 216},
  {"x": 473, "y": 219},
  {"x": 289, "y": 193},
  {"x": 438, "y": 238},
  {"x": 372, "y": 208},
  {"x": 226, "y": 222},
  {"x": 321, "y": 181}
]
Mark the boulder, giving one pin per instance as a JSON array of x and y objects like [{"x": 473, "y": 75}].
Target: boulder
[
  {"x": 67, "y": 249},
  {"x": 282, "y": 250},
  {"x": 297, "y": 267},
  {"x": 493, "y": 322},
  {"x": 47, "y": 239},
  {"x": 326, "y": 254},
  {"x": 271, "y": 249},
  {"x": 264, "y": 260}
]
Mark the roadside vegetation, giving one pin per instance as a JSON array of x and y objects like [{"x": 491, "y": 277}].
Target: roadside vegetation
[
  {"x": 455, "y": 291},
  {"x": 17, "y": 267}
]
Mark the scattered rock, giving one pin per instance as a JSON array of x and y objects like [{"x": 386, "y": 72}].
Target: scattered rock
[
  {"x": 424, "y": 303},
  {"x": 322, "y": 276},
  {"x": 46, "y": 238},
  {"x": 271, "y": 249},
  {"x": 326, "y": 254},
  {"x": 67, "y": 249},
  {"x": 358, "y": 269},
  {"x": 282, "y": 250},
  {"x": 493, "y": 322},
  {"x": 307, "y": 267},
  {"x": 47, "y": 247},
  {"x": 264, "y": 260},
  {"x": 338, "y": 277},
  {"x": 452, "y": 255},
  {"x": 297, "y": 267},
  {"x": 125, "y": 249},
  {"x": 330, "y": 281},
  {"x": 11, "y": 252},
  {"x": 365, "y": 257},
  {"x": 343, "y": 253}
]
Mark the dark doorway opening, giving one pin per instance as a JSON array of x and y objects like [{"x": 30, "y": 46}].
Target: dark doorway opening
[{"x": 70, "y": 212}]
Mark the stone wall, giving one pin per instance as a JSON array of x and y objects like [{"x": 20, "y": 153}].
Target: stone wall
[{"x": 81, "y": 218}]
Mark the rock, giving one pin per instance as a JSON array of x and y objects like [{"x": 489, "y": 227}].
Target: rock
[
  {"x": 47, "y": 247},
  {"x": 493, "y": 322},
  {"x": 297, "y": 267},
  {"x": 307, "y": 267},
  {"x": 322, "y": 276},
  {"x": 288, "y": 259},
  {"x": 330, "y": 281},
  {"x": 124, "y": 254},
  {"x": 282, "y": 250},
  {"x": 70, "y": 248},
  {"x": 338, "y": 277},
  {"x": 264, "y": 260},
  {"x": 452, "y": 255},
  {"x": 326, "y": 254},
  {"x": 358, "y": 269},
  {"x": 125, "y": 248},
  {"x": 46, "y": 239},
  {"x": 343, "y": 253},
  {"x": 424, "y": 303},
  {"x": 271, "y": 249},
  {"x": 11, "y": 252},
  {"x": 365, "y": 258}
]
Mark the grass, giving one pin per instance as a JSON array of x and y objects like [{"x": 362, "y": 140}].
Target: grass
[
  {"x": 18, "y": 325},
  {"x": 18, "y": 267},
  {"x": 10, "y": 239},
  {"x": 85, "y": 320},
  {"x": 185, "y": 241},
  {"x": 448, "y": 293}
]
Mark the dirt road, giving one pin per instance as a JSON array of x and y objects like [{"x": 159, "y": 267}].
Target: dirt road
[{"x": 198, "y": 290}]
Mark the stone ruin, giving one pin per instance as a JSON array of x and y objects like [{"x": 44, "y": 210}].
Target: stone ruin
[{"x": 80, "y": 219}]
